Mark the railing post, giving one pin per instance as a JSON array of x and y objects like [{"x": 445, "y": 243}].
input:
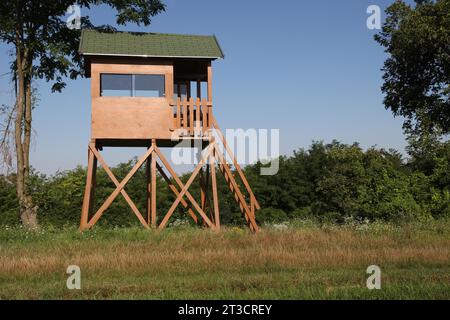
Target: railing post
[
  {"x": 191, "y": 116},
  {"x": 178, "y": 113},
  {"x": 184, "y": 113},
  {"x": 197, "y": 117},
  {"x": 204, "y": 115}
]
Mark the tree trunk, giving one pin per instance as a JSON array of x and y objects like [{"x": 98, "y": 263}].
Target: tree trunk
[
  {"x": 27, "y": 210},
  {"x": 28, "y": 214}
]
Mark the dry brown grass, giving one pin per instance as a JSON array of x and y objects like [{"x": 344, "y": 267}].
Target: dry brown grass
[{"x": 297, "y": 263}]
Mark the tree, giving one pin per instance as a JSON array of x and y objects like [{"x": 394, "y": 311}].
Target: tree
[
  {"x": 417, "y": 71},
  {"x": 45, "y": 48}
]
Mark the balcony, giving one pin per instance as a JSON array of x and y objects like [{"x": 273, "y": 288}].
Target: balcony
[{"x": 192, "y": 117}]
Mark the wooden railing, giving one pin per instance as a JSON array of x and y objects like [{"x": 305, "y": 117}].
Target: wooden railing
[
  {"x": 192, "y": 116},
  {"x": 254, "y": 204}
]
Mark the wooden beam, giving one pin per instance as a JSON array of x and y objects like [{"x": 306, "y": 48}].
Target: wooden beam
[
  {"x": 205, "y": 122},
  {"x": 197, "y": 126},
  {"x": 123, "y": 192},
  {"x": 87, "y": 192},
  {"x": 119, "y": 188},
  {"x": 191, "y": 116},
  {"x": 148, "y": 187},
  {"x": 178, "y": 124},
  {"x": 176, "y": 192},
  {"x": 94, "y": 186},
  {"x": 204, "y": 201},
  {"x": 236, "y": 188},
  {"x": 153, "y": 185},
  {"x": 185, "y": 106},
  {"x": 202, "y": 190},
  {"x": 214, "y": 190},
  {"x": 184, "y": 190},
  {"x": 209, "y": 82},
  {"x": 235, "y": 163}
]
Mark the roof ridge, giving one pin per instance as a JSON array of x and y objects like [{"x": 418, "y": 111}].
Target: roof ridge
[{"x": 156, "y": 33}]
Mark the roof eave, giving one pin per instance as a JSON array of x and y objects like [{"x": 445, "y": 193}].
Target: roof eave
[{"x": 149, "y": 56}]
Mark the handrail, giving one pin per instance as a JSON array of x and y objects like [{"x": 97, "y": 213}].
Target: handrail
[
  {"x": 235, "y": 163},
  {"x": 195, "y": 115}
]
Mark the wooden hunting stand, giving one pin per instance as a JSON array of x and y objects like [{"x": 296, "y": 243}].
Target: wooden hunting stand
[{"x": 141, "y": 97}]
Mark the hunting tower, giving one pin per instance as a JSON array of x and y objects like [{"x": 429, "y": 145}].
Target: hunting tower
[{"x": 142, "y": 93}]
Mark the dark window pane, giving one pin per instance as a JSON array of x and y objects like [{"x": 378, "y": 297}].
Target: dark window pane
[
  {"x": 149, "y": 85},
  {"x": 116, "y": 85},
  {"x": 183, "y": 91}
]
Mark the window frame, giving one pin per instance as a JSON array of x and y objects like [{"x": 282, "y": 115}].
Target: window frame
[{"x": 132, "y": 91}]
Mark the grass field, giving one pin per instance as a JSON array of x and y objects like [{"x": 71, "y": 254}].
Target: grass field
[{"x": 301, "y": 261}]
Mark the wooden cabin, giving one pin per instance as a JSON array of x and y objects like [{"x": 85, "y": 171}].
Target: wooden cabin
[
  {"x": 146, "y": 91},
  {"x": 148, "y": 85}
]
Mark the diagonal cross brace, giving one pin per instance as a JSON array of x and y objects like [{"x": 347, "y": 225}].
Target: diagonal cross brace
[
  {"x": 116, "y": 183},
  {"x": 184, "y": 191},
  {"x": 181, "y": 186},
  {"x": 176, "y": 192},
  {"x": 119, "y": 188}
]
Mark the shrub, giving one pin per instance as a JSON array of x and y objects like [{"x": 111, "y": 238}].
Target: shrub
[{"x": 271, "y": 215}]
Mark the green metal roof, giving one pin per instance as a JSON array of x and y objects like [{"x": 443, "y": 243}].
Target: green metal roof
[{"x": 140, "y": 44}]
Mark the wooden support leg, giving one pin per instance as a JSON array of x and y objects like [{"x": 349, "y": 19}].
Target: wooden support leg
[
  {"x": 87, "y": 192},
  {"x": 206, "y": 186},
  {"x": 214, "y": 189},
  {"x": 204, "y": 195},
  {"x": 153, "y": 185},
  {"x": 204, "y": 199},
  {"x": 94, "y": 185},
  {"x": 149, "y": 190}
]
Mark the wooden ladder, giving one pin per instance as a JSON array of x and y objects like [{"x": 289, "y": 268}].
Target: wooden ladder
[{"x": 247, "y": 206}]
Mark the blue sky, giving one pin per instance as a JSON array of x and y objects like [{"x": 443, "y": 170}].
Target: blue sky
[{"x": 308, "y": 68}]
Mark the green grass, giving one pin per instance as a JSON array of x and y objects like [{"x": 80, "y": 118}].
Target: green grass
[{"x": 301, "y": 260}]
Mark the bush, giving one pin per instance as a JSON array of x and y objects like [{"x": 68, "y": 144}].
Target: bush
[
  {"x": 328, "y": 182},
  {"x": 301, "y": 213},
  {"x": 9, "y": 209},
  {"x": 271, "y": 215}
]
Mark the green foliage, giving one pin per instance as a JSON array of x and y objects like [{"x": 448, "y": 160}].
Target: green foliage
[
  {"x": 9, "y": 206},
  {"x": 336, "y": 181},
  {"x": 39, "y": 28},
  {"x": 327, "y": 183},
  {"x": 270, "y": 215},
  {"x": 417, "y": 71}
]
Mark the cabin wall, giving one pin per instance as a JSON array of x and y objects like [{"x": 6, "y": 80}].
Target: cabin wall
[{"x": 131, "y": 117}]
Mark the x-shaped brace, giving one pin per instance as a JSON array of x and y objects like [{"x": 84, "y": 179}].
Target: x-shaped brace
[
  {"x": 184, "y": 189},
  {"x": 119, "y": 186}
]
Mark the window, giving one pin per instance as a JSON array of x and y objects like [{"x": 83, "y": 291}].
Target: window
[
  {"x": 116, "y": 85},
  {"x": 132, "y": 85},
  {"x": 148, "y": 85}
]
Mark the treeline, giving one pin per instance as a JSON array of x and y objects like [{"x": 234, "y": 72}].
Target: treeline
[{"x": 328, "y": 182}]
